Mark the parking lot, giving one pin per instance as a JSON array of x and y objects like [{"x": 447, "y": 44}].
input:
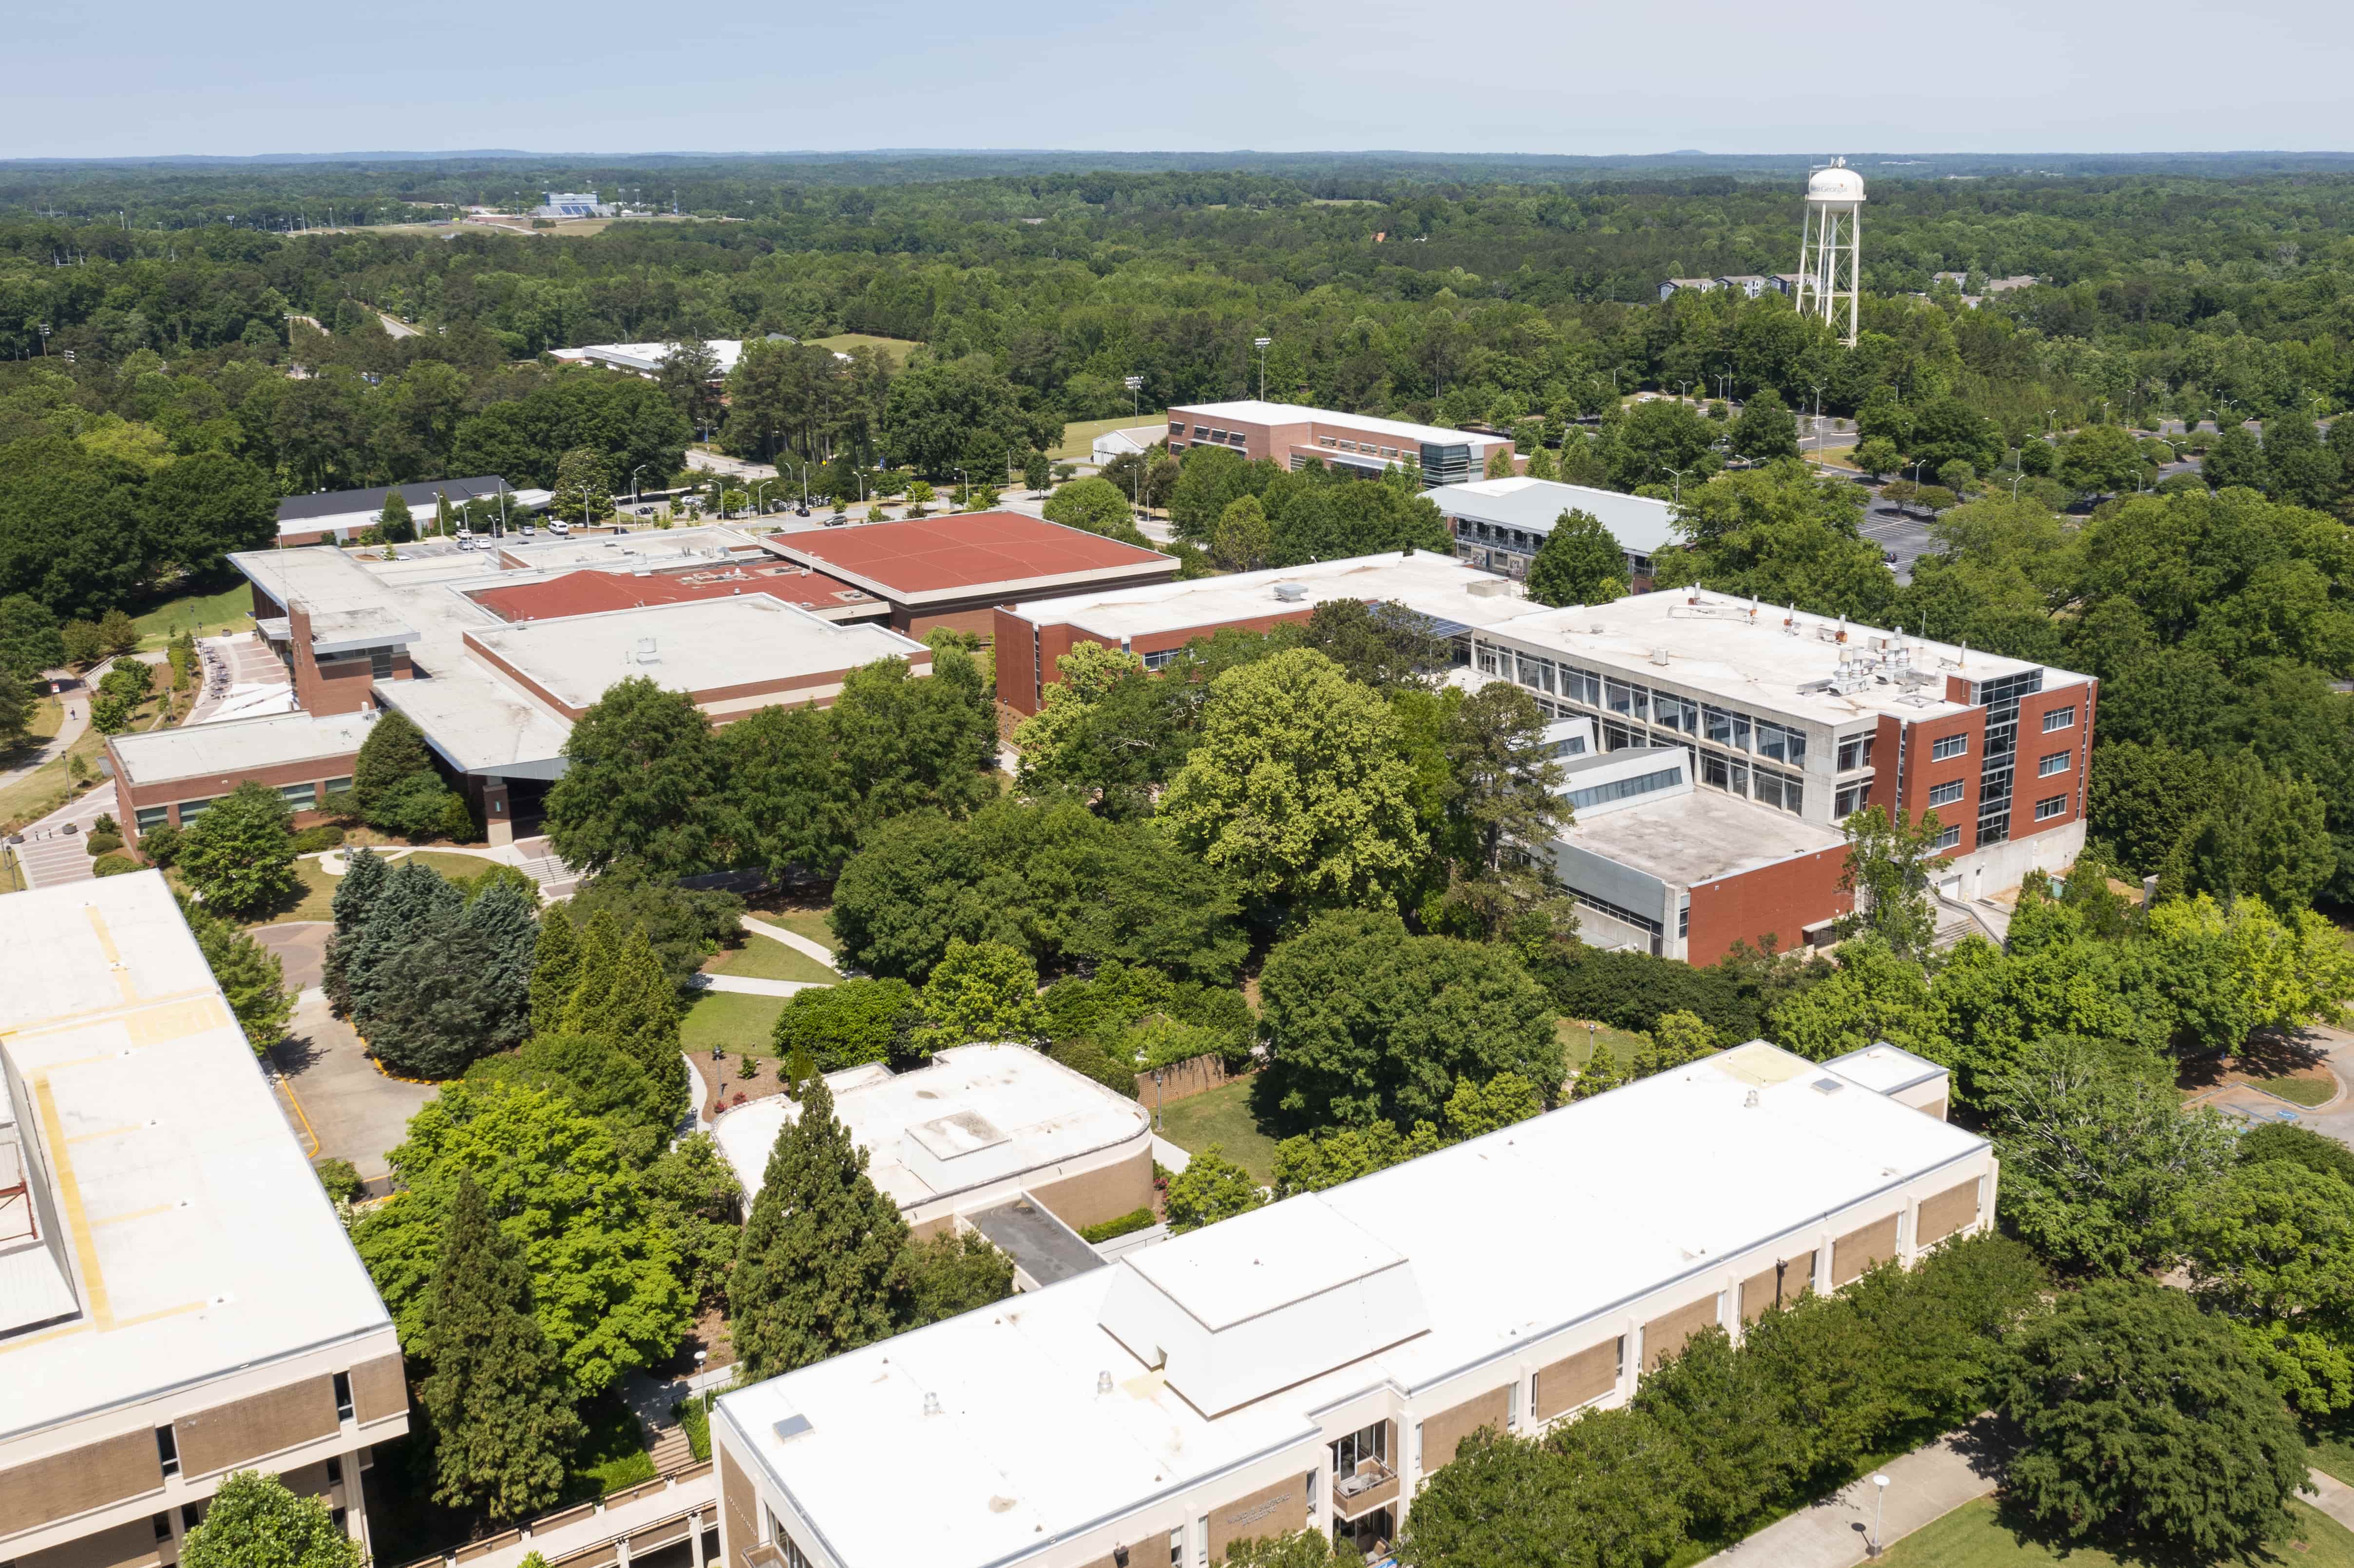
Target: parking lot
[{"x": 1905, "y": 534}]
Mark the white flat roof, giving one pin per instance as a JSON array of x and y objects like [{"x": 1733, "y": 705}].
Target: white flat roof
[
  {"x": 1696, "y": 835},
  {"x": 655, "y": 549},
  {"x": 696, "y": 646},
  {"x": 1253, "y": 411},
  {"x": 1630, "y": 1191},
  {"x": 200, "y": 1241},
  {"x": 1715, "y": 646},
  {"x": 1533, "y": 505},
  {"x": 1885, "y": 1068},
  {"x": 1438, "y": 586},
  {"x": 978, "y": 1113},
  {"x": 239, "y": 746}
]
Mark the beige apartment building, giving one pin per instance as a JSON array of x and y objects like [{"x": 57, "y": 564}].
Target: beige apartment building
[
  {"x": 1308, "y": 1364},
  {"x": 178, "y": 1299}
]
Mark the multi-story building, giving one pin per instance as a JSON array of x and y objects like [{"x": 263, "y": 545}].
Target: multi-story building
[
  {"x": 1294, "y": 438},
  {"x": 1310, "y": 1364},
  {"x": 1813, "y": 719},
  {"x": 1502, "y": 523},
  {"x": 178, "y": 1299},
  {"x": 1155, "y": 623}
]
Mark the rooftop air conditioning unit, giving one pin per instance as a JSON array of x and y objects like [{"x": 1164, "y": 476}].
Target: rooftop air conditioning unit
[
  {"x": 646, "y": 651},
  {"x": 1292, "y": 593}
]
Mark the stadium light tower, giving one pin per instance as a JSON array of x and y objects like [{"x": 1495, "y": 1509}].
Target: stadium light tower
[{"x": 1830, "y": 248}]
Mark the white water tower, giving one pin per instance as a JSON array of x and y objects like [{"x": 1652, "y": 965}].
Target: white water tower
[{"x": 1831, "y": 254}]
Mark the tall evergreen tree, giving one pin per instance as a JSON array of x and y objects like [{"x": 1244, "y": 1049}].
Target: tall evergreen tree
[
  {"x": 497, "y": 1396},
  {"x": 599, "y": 957},
  {"x": 555, "y": 971},
  {"x": 822, "y": 1267},
  {"x": 393, "y": 752},
  {"x": 364, "y": 871},
  {"x": 640, "y": 1017},
  {"x": 413, "y": 895}
]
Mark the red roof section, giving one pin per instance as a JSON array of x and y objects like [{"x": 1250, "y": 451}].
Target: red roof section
[
  {"x": 965, "y": 549},
  {"x": 589, "y": 592}
]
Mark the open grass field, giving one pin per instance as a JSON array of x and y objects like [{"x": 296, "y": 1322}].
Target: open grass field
[
  {"x": 1079, "y": 436},
  {"x": 763, "y": 957},
  {"x": 1972, "y": 1536},
  {"x": 733, "y": 1021},
  {"x": 49, "y": 785},
  {"x": 207, "y": 615},
  {"x": 1222, "y": 1116},
  {"x": 313, "y": 899},
  {"x": 1575, "y": 1045},
  {"x": 2300, "y": 1090},
  {"x": 894, "y": 349}
]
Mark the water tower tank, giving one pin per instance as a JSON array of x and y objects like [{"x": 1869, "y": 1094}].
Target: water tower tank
[{"x": 1830, "y": 249}]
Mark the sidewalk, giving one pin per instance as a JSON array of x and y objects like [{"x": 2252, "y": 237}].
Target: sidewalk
[
  {"x": 1924, "y": 1485},
  {"x": 797, "y": 942},
  {"x": 755, "y": 987}
]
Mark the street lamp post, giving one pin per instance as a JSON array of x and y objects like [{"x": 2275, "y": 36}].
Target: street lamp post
[
  {"x": 1818, "y": 424},
  {"x": 1135, "y": 385},
  {"x": 756, "y": 489},
  {"x": 1679, "y": 473},
  {"x": 636, "y": 494},
  {"x": 1879, "y": 1510},
  {"x": 1260, "y": 343}
]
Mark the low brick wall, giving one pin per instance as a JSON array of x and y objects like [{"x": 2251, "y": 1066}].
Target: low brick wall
[{"x": 1182, "y": 1080}]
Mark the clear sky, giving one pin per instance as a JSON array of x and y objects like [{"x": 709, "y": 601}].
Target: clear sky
[{"x": 159, "y": 77}]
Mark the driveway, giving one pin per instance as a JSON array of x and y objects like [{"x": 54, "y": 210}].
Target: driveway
[
  {"x": 302, "y": 950},
  {"x": 2335, "y": 1120},
  {"x": 50, "y": 854},
  {"x": 338, "y": 1098}
]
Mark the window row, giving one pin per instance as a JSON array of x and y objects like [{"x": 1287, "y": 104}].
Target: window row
[
  {"x": 301, "y": 797},
  {"x": 2057, "y": 762},
  {"x": 1783, "y": 791},
  {"x": 1854, "y": 752},
  {"x": 2059, "y": 718},
  {"x": 1622, "y": 789}
]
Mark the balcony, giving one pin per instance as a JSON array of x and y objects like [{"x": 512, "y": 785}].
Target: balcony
[
  {"x": 768, "y": 1554},
  {"x": 1370, "y": 1485}
]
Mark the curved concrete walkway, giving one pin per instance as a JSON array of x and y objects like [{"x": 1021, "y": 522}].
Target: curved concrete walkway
[
  {"x": 794, "y": 940},
  {"x": 755, "y": 987},
  {"x": 1924, "y": 1485}
]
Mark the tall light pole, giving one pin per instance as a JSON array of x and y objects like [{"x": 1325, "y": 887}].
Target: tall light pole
[
  {"x": 1679, "y": 473},
  {"x": 1879, "y": 1510},
  {"x": 1135, "y": 385},
  {"x": 1260, "y": 343},
  {"x": 756, "y": 489},
  {"x": 1818, "y": 424},
  {"x": 636, "y": 494}
]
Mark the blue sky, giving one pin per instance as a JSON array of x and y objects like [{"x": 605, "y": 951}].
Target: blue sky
[{"x": 139, "y": 78}]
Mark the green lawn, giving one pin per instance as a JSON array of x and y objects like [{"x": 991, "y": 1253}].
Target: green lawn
[
  {"x": 1972, "y": 1537},
  {"x": 1079, "y": 436},
  {"x": 51, "y": 785},
  {"x": 1574, "y": 1042},
  {"x": 1222, "y": 1116},
  {"x": 453, "y": 867},
  {"x": 809, "y": 923},
  {"x": 2331, "y": 1450},
  {"x": 731, "y": 1021},
  {"x": 2301, "y": 1091},
  {"x": 207, "y": 615},
  {"x": 894, "y": 349},
  {"x": 763, "y": 957}
]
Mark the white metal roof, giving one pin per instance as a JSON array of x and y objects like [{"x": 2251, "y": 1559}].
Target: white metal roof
[
  {"x": 1886, "y": 1068},
  {"x": 1253, "y": 411},
  {"x": 239, "y": 746},
  {"x": 200, "y": 1241},
  {"x": 1047, "y": 1423},
  {"x": 1533, "y": 505},
  {"x": 1769, "y": 659},
  {"x": 1438, "y": 586},
  {"x": 978, "y": 1113}
]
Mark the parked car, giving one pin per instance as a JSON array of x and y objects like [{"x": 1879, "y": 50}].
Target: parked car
[{"x": 559, "y": 528}]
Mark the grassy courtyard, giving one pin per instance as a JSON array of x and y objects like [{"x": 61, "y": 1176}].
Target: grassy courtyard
[
  {"x": 764, "y": 958},
  {"x": 732, "y": 1021},
  {"x": 1973, "y": 1536},
  {"x": 1222, "y": 1116}
]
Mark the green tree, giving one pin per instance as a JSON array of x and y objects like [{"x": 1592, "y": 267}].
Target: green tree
[
  {"x": 393, "y": 752},
  {"x": 499, "y": 1402},
  {"x": 118, "y": 634},
  {"x": 911, "y": 743},
  {"x": 2235, "y": 459},
  {"x": 29, "y": 640},
  {"x": 2099, "y": 460},
  {"x": 605, "y": 1283},
  {"x": 1097, "y": 507},
  {"x": 16, "y": 710},
  {"x": 641, "y": 782},
  {"x": 455, "y": 988},
  {"x": 1604, "y": 1491},
  {"x": 849, "y": 1024},
  {"x": 1579, "y": 563},
  {"x": 1296, "y": 788},
  {"x": 1384, "y": 646},
  {"x": 1207, "y": 484},
  {"x": 2147, "y": 1427},
  {"x": 1878, "y": 456},
  {"x": 239, "y": 854},
  {"x": 2271, "y": 1246},
  {"x": 951, "y": 1273},
  {"x": 2097, "y": 1155},
  {"x": 823, "y": 1267},
  {"x": 640, "y": 1015},
  {"x": 1765, "y": 428},
  {"x": 1086, "y": 673},
  {"x": 1241, "y": 540},
  {"x": 583, "y": 487},
  {"x": 980, "y": 991},
  {"x": 250, "y": 975},
  {"x": 1872, "y": 995},
  {"x": 1368, "y": 1023},
  {"x": 393, "y": 523},
  {"x": 82, "y": 643},
  {"x": 1211, "y": 1188},
  {"x": 1677, "y": 1038},
  {"x": 1651, "y": 441},
  {"x": 252, "y": 1520},
  {"x": 1502, "y": 807},
  {"x": 555, "y": 972},
  {"x": 1888, "y": 870},
  {"x": 794, "y": 804}
]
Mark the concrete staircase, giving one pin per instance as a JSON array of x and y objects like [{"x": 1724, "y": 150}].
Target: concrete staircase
[{"x": 672, "y": 1452}]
